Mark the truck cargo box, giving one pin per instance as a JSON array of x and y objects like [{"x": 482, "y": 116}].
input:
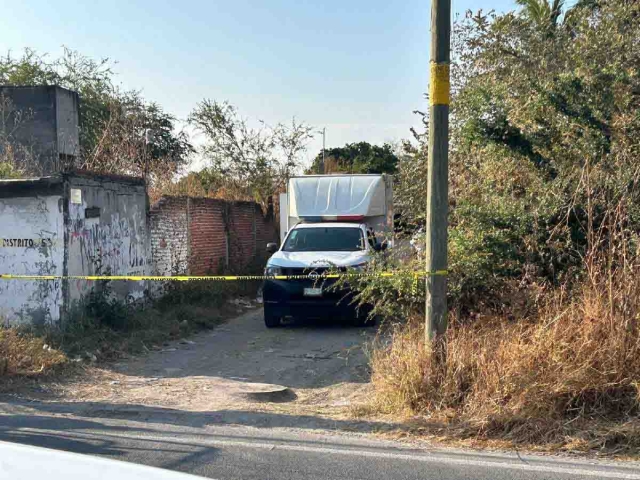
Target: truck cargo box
[{"x": 355, "y": 198}]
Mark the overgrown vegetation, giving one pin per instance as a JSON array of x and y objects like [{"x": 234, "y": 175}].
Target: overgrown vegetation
[
  {"x": 123, "y": 133},
  {"x": 103, "y": 327},
  {"x": 246, "y": 162},
  {"x": 545, "y": 138},
  {"x": 536, "y": 109},
  {"x": 8, "y": 170},
  {"x": 26, "y": 355},
  {"x": 565, "y": 377},
  {"x": 120, "y": 132},
  {"x": 13, "y": 157},
  {"x": 361, "y": 157},
  {"x": 543, "y": 241}
]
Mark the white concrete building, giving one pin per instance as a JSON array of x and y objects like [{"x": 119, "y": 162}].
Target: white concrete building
[{"x": 69, "y": 224}]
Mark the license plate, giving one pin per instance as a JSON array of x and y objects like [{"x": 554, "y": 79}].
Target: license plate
[{"x": 312, "y": 292}]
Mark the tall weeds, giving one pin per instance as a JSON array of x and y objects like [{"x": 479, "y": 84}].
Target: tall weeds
[
  {"x": 531, "y": 380},
  {"x": 26, "y": 355},
  {"x": 570, "y": 368}
]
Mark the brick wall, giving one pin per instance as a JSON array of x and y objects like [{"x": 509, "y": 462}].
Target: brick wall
[
  {"x": 209, "y": 235},
  {"x": 169, "y": 236}
]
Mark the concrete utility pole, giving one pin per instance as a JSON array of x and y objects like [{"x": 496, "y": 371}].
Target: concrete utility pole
[{"x": 438, "y": 165}]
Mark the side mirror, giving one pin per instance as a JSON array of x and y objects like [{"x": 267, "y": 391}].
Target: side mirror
[{"x": 272, "y": 247}]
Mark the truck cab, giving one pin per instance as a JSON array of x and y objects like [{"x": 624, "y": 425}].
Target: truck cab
[{"x": 333, "y": 223}]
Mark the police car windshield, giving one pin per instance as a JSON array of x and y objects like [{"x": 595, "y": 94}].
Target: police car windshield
[{"x": 325, "y": 239}]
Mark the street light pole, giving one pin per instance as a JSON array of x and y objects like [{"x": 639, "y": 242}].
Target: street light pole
[
  {"x": 322, "y": 167},
  {"x": 324, "y": 145},
  {"x": 438, "y": 176}
]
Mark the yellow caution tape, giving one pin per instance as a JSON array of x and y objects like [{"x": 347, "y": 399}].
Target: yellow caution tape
[
  {"x": 224, "y": 278},
  {"x": 439, "y": 85}
]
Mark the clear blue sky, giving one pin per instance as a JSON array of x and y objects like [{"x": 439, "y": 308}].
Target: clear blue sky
[{"x": 358, "y": 67}]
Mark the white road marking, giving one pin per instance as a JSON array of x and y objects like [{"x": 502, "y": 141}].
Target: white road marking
[{"x": 426, "y": 457}]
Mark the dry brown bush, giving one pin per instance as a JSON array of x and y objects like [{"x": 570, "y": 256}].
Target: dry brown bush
[
  {"x": 569, "y": 375},
  {"x": 24, "y": 354}
]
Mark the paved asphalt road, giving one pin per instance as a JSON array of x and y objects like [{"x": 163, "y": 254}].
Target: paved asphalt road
[{"x": 233, "y": 452}]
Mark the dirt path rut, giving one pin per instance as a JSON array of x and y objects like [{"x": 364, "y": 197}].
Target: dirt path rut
[{"x": 323, "y": 366}]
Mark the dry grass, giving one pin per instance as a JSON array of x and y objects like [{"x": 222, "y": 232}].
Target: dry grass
[
  {"x": 26, "y": 355},
  {"x": 106, "y": 330},
  {"x": 568, "y": 378}
]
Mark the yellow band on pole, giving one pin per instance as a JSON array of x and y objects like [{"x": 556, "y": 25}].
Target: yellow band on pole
[{"x": 439, "y": 86}]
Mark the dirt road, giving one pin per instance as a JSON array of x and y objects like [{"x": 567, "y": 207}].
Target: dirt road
[
  {"x": 308, "y": 356},
  {"x": 322, "y": 366}
]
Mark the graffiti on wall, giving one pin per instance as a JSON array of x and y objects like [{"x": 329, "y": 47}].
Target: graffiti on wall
[
  {"x": 117, "y": 244},
  {"x": 104, "y": 228},
  {"x": 107, "y": 235},
  {"x": 32, "y": 231},
  {"x": 26, "y": 242}
]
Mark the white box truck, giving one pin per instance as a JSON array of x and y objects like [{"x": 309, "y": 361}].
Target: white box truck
[{"x": 327, "y": 222}]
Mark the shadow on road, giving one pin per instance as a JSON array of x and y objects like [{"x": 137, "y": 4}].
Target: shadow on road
[
  {"x": 247, "y": 453},
  {"x": 16, "y": 428},
  {"x": 96, "y": 438},
  {"x": 98, "y": 429},
  {"x": 169, "y": 416},
  {"x": 160, "y": 415}
]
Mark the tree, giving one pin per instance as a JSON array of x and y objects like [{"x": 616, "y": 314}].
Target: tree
[
  {"x": 139, "y": 139},
  {"x": 542, "y": 12},
  {"x": 15, "y": 157},
  {"x": 545, "y": 138},
  {"x": 361, "y": 157},
  {"x": 112, "y": 121},
  {"x": 7, "y": 170},
  {"x": 247, "y": 162}
]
